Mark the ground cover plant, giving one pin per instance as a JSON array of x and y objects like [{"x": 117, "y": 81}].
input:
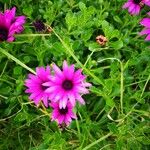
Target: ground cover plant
[{"x": 74, "y": 74}]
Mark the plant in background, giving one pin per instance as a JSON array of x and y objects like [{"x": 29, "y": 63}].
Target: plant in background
[
  {"x": 10, "y": 25},
  {"x": 116, "y": 114}
]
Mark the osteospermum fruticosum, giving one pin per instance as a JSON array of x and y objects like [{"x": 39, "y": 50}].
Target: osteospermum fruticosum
[
  {"x": 67, "y": 85},
  {"x": 10, "y": 25},
  {"x": 146, "y": 23},
  {"x": 63, "y": 115},
  {"x": 134, "y": 6},
  {"x": 35, "y": 86}
]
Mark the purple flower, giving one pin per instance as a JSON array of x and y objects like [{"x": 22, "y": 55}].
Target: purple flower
[
  {"x": 146, "y": 23},
  {"x": 10, "y": 24},
  {"x": 36, "y": 87},
  {"x": 63, "y": 115},
  {"x": 146, "y": 2},
  {"x": 134, "y": 6},
  {"x": 66, "y": 85}
]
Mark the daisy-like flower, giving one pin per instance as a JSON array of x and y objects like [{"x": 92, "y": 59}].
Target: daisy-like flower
[
  {"x": 63, "y": 115},
  {"x": 134, "y": 6},
  {"x": 10, "y": 25},
  {"x": 67, "y": 85},
  {"x": 146, "y": 23},
  {"x": 35, "y": 85}
]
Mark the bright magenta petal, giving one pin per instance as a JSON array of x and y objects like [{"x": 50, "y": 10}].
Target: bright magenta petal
[{"x": 145, "y": 22}]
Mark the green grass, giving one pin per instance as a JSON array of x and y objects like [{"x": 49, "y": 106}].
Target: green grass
[{"x": 117, "y": 110}]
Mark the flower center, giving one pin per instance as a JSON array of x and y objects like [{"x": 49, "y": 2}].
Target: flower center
[
  {"x": 3, "y": 34},
  {"x": 137, "y": 1},
  {"x": 63, "y": 110},
  {"x": 100, "y": 39},
  {"x": 67, "y": 85},
  {"x": 43, "y": 87}
]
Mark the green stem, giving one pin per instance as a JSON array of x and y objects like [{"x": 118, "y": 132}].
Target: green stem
[
  {"x": 16, "y": 60},
  {"x": 97, "y": 141},
  {"x": 145, "y": 86},
  {"x": 4, "y": 97},
  {"x": 33, "y": 35},
  {"x": 78, "y": 128}
]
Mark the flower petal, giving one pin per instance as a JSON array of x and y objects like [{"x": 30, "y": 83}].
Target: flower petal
[
  {"x": 126, "y": 5},
  {"x": 147, "y": 38},
  {"x": 80, "y": 99},
  {"x": 145, "y": 31},
  {"x": 145, "y": 22}
]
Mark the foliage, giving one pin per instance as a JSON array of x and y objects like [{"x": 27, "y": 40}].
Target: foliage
[{"x": 116, "y": 114}]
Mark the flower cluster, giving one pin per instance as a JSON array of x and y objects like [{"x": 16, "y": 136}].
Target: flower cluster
[
  {"x": 59, "y": 89},
  {"x": 134, "y": 7}
]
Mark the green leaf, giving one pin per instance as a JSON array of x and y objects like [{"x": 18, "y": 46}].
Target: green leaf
[
  {"x": 86, "y": 35},
  {"x": 117, "y": 19},
  {"x": 109, "y": 101},
  {"x": 82, "y": 6},
  {"x": 114, "y": 33},
  {"x": 26, "y": 59},
  {"x": 21, "y": 117},
  {"x": 57, "y": 48},
  {"x": 17, "y": 70},
  {"x": 70, "y": 20},
  {"x": 113, "y": 128},
  {"x": 28, "y": 11},
  {"x": 117, "y": 44},
  {"x": 5, "y": 1},
  {"x": 93, "y": 46}
]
